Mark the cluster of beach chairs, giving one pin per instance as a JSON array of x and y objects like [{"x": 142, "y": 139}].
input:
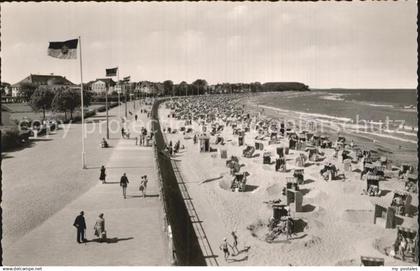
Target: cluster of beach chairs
[{"x": 215, "y": 113}]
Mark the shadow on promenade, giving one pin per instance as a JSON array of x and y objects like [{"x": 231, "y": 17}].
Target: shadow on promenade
[
  {"x": 146, "y": 196},
  {"x": 109, "y": 240}
]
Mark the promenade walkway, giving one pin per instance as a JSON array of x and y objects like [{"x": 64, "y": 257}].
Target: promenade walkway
[{"x": 134, "y": 225}]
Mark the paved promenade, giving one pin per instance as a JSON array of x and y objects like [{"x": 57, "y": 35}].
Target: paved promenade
[{"x": 134, "y": 225}]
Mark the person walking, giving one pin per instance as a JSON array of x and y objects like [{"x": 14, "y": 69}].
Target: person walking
[
  {"x": 141, "y": 188},
  {"x": 135, "y": 117},
  {"x": 80, "y": 225},
  {"x": 143, "y": 185},
  {"x": 225, "y": 248},
  {"x": 100, "y": 228},
  {"x": 403, "y": 245},
  {"x": 123, "y": 183},
  {"x": 144, "y": 133},
  {"x": 102, "y": 175}
]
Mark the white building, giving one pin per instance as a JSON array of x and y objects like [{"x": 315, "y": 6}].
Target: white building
[{"x": 101, "y": 85}]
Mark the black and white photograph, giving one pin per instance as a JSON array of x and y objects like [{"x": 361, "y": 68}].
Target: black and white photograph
[{"x": 257, "y": 134}]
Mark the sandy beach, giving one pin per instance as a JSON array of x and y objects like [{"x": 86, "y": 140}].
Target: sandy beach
[{"x": 335, "y": 225}]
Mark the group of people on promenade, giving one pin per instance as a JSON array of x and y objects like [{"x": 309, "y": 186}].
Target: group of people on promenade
[
  {"x": 144, "y": 138},
  {"x": 142, "y": 188},
  {"x": 99, "y": 228},
  {"x": 124, "y": 182}
]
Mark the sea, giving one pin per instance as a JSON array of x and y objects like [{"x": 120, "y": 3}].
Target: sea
[
  {"x": 371, "y": 105},
  {"x": 391, "y": 115}
]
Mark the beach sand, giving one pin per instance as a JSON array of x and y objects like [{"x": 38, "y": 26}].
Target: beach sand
[{"x": 336, "y": 225}]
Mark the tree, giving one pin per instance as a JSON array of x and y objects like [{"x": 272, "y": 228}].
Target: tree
[
  {"x": 183, "y": 88},
  {"x": 59, "y": 103},
  {"x": 192, "y": 90},
  {"x": 186, "y": 87},
  {"x": 87, "y": 97},
  {"x": 5, "y": 86},
  {"x": 42, "y": 99},
  {"x": 168, "y": 86},
  {"x": 68, "y": 99},
  {"x": 27, "y": 89},
  {"x": 200, "y": 85},
  {"x": 226, "y": 88},
  {"x": 256, "y": 87}
]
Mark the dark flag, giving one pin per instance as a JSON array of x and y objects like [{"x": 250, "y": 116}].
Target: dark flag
[
  {"x": 127, "y": 79},
  {"x": 63, "y": 49},
  {"x": 111, "y": 72}
]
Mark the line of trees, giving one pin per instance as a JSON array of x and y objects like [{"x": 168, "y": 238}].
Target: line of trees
[
  {"x": 200, "y": 86},
  {"x": 62, "y": 99},
  {"x": 67, "y": 99}
]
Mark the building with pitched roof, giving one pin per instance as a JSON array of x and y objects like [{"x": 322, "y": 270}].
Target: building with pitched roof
[
  {"x": 53, "y": 81},
  {"x": 101, "y": 85}
]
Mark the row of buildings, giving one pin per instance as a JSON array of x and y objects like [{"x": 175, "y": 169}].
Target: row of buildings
[{"x": 100, "y": 85}]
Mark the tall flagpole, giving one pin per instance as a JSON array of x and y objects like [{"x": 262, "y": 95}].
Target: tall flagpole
[
  {"x": 106, "y": 105},
  {"x": 82, "y": 107},
  {"x": 125, "y": 98},
  {"x": 119, "y": 89}
]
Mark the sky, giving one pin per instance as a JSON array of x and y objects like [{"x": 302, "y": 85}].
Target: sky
[{"x": 366, "y": 44}]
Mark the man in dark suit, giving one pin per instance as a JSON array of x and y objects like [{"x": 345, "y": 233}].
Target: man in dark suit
[
  {"x": 123, "y": 184},
  {"x": 80, "y": 224}
]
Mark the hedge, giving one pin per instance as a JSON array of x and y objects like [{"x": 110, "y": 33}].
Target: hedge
[{"x": 10, "y": 139}]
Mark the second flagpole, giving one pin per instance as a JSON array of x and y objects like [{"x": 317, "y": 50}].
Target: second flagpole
[
  {"x": 119, "y": 90},
  {"x": 82, "y": 108}
]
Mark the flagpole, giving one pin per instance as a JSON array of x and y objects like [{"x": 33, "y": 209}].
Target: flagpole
[
  {"x": 106, "y": 105},
  {"x": 119, "y": 89},
  {"x": 82, "y": 107},
  {"x": 125, "y": 98}
]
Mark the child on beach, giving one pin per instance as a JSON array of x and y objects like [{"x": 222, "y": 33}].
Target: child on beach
[
  {"x": 225, "y": 248},
  {"x": 141, "y": 188}
]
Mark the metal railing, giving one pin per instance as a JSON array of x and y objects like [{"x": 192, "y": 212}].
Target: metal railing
[
  {"x": 197, "y": 223},
  {"x": 166, "y": 225}
]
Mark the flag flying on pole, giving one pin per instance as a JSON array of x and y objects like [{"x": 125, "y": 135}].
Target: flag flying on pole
[
  {"x": 111, "y": 72},
  {"x": 127, "y": 79},
  {"x": 63, "y": 49}
]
